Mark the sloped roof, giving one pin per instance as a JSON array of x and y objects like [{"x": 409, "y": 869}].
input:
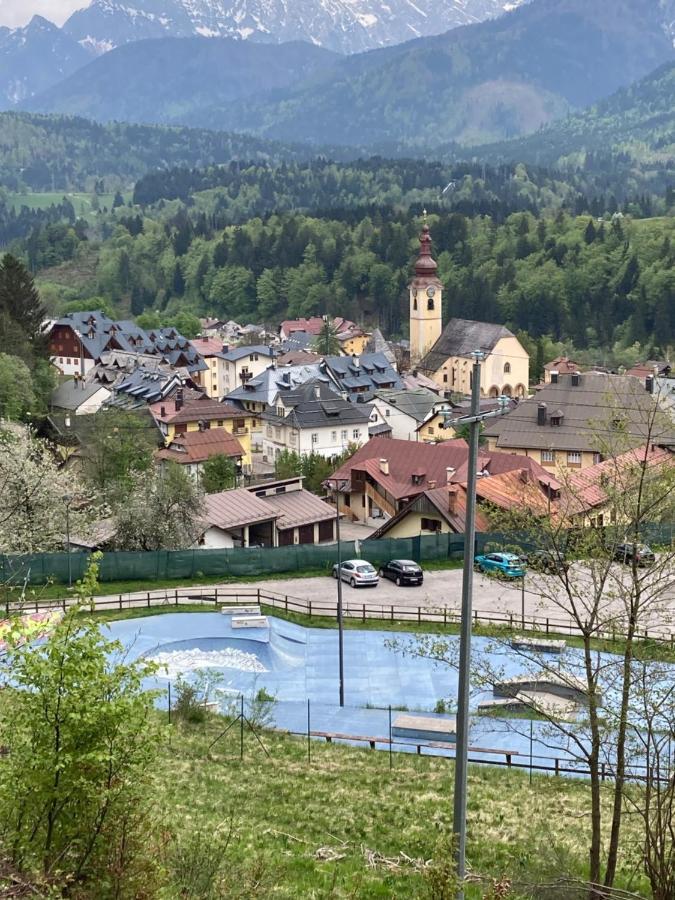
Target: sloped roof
[
  {"x": 415, "y": 403},
  {"x": 235, "y": 508},
  {"x": 265, "y": 387},
  {"x": 315, "y": 404},
  {"x": 314, "y": 325},
  {"x": 193, "y": 411},
  {"x": 461, "y": 337},
  {"x": 563, "y": 365},
  {"x": 295, "y": 508},
  {"x": 297, "y": 357},
  {"x": 513, "y": 490},
  {"x": 439, "y": 498},
  {"x": 237, "y": 353},
  {"x": 589, "y": 411},
  {"x": 197, "y": 446},
  {"x": 370, "y": 370},
  {"x": 404, "y": 458},
  {"x": 587, "y": 488},
  {"x": 72, "y": 394},
  {"x": 207, "y": 346}
]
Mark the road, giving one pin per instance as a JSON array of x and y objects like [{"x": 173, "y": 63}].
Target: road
[{"x": 542, "y": 599}]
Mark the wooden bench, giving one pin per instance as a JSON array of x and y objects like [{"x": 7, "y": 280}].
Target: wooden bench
[{"x": 331, "y": 736}]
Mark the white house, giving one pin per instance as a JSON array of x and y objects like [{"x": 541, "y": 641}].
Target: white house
[
  {"x": 404, "y": 411},
  {"x": 241, "y": 364},
  {"x": 314, "y": 419},
  {"x": 79, "y": 396}
]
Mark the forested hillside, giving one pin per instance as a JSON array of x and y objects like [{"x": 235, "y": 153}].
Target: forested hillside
[
  {"x": 48, "y": 153},
  {"x": 630, "y": 134},
  {"x": 595, "y": 284}
]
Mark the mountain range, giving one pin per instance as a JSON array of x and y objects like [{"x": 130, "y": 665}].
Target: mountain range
[
  {"x": 34, "y": 57},
  {"x": 345, "y": 26},
  {"x": 474, "y": 84}
]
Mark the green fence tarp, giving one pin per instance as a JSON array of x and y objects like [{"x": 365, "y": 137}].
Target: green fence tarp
[{"x": 163, "y": 565}]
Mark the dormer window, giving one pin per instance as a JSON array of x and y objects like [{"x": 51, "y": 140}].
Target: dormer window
[{"x": 418, "y": 477}]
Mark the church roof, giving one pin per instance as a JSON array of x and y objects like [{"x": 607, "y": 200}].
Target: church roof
[{"x": 461, "y": 337}]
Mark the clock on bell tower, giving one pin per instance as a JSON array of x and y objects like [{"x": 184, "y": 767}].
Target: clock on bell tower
[{"x": 426, "y": 294}]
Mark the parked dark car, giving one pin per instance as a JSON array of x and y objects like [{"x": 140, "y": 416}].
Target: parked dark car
[
  {"x": 546, "y": 562},
  {"x": 402, "y": 571},
  {"x": 629, "y": 552}
]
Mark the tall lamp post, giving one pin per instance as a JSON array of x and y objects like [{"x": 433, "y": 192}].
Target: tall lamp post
[
  {"x": 338, "y": 486},
  {"x": 68, "y": 499},
  {"x": 462, "y": 741}
]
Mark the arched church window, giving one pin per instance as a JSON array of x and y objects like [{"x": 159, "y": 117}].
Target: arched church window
[
  {"x": 430, "y": 303},
  {"x": 507, "y": 367}
]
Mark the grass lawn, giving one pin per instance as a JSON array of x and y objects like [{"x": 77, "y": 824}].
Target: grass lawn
[
  {"x": 285, "y": 809},
  {"x": 82, "y": 202}
]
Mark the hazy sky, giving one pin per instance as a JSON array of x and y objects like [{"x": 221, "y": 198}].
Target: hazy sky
[{"x": 18, "y": 12}]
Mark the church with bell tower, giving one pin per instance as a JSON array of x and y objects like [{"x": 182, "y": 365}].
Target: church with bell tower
[{"x": 426, "y": 296}]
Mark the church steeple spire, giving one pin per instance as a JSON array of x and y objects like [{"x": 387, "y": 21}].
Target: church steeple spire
[
  {"x": 426, "y": 293},
  {"x": 426, "y": 264}
]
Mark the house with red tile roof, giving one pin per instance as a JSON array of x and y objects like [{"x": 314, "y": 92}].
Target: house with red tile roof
[
  {"x": 193, "y": 448},
  {"x": 385, "y": 475},
  {"x": 593, "y": 496}
]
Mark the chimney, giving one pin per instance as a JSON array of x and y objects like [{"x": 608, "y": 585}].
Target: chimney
[
  {"x": 541, "y": 414},
  {"x": 179, "y": 399},
  {"x": 649, "y": 384},
  {"x": 384, "y": 466},
  {"x": 317, "y": 391},
  {"x": 356, "y": 361},
  {"x": 449, "y": 474},
  {"x": 162, "y": 411},
  {"x": 432, "y": 484},
  {"x": 554, "y": 377},
  {"x": 524, "y": 476},
  {"x": 576, "y": 379},
  {"x": 452, "y": 500}
]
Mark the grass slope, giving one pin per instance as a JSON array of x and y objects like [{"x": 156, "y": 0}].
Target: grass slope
[{"x": 284, "y": 809}]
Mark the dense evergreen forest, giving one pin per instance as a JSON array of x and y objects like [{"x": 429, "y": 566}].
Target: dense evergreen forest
[{"x": 599, "y": 285}]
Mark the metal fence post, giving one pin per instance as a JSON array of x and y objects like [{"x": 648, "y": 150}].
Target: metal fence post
[
  {"x": 309, "y": 732},
  {"x": 391, "y": 761}
]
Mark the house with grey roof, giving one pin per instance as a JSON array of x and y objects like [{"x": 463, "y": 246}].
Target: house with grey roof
[
  {"x": 313, "y": 419},
  {"x": 241, "y": 364},
  {"x": 78, "y": 341},
  {"x": 405, "y": 410},
  {"x": 582, "y": 418},
  {"x": 358, "y": 378},
  {"x": 504, "y": 367},
  {"x": 79, "y": 397}
]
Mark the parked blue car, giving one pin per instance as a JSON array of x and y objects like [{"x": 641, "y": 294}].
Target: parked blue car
[{"x": 507, "y": 564}]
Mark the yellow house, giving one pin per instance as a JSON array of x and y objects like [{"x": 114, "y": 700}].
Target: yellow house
[
  {"x": 175, "y": 417},
  {"x": 353, "y": 343},
  {"x": 431, "y": 431},
  {"x": 504, "y": 368},
  {"x": 211, "y": 379}
]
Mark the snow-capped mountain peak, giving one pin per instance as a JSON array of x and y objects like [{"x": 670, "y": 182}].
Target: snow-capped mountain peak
[{"x": 346, "y": 26}]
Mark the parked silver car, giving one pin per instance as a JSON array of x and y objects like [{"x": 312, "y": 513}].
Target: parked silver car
[{"x": 357, "y": 572}]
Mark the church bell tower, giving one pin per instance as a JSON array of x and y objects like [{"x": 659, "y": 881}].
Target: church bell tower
[{"x": 426, "y": 308}]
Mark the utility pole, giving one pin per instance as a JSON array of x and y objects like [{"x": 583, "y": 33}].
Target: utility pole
[
  {"x": 463, "y": 691},
  {"x": 341, "y": 658}
]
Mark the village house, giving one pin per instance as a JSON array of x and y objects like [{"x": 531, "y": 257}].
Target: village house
[
  {"x": 385, "y": 475},
  {"x": 352, "y": 338},
  {"x": 177, "y": 416},
  {"x": 561, "y": 365},
  {"x": 435, "y": 427},
  {"x": 592, "y": 496},
  {"x": 193, "y": 448},
  {"x": 358, "y": 377},
  {"x": 579, "y": 419},
  {"x": 442, "y": 510},
  {"x": 405, "y": 410},
  {"x": 210, "y": 349},
  {"x": 241, "y": 364},
  {"x": 78, "y": 341},
  {"x": 79, "y": 397},
  {"x": 313, "y": 419},
  {"x": 260, "y": 394},
  {"x": 274, "y": 514}
]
